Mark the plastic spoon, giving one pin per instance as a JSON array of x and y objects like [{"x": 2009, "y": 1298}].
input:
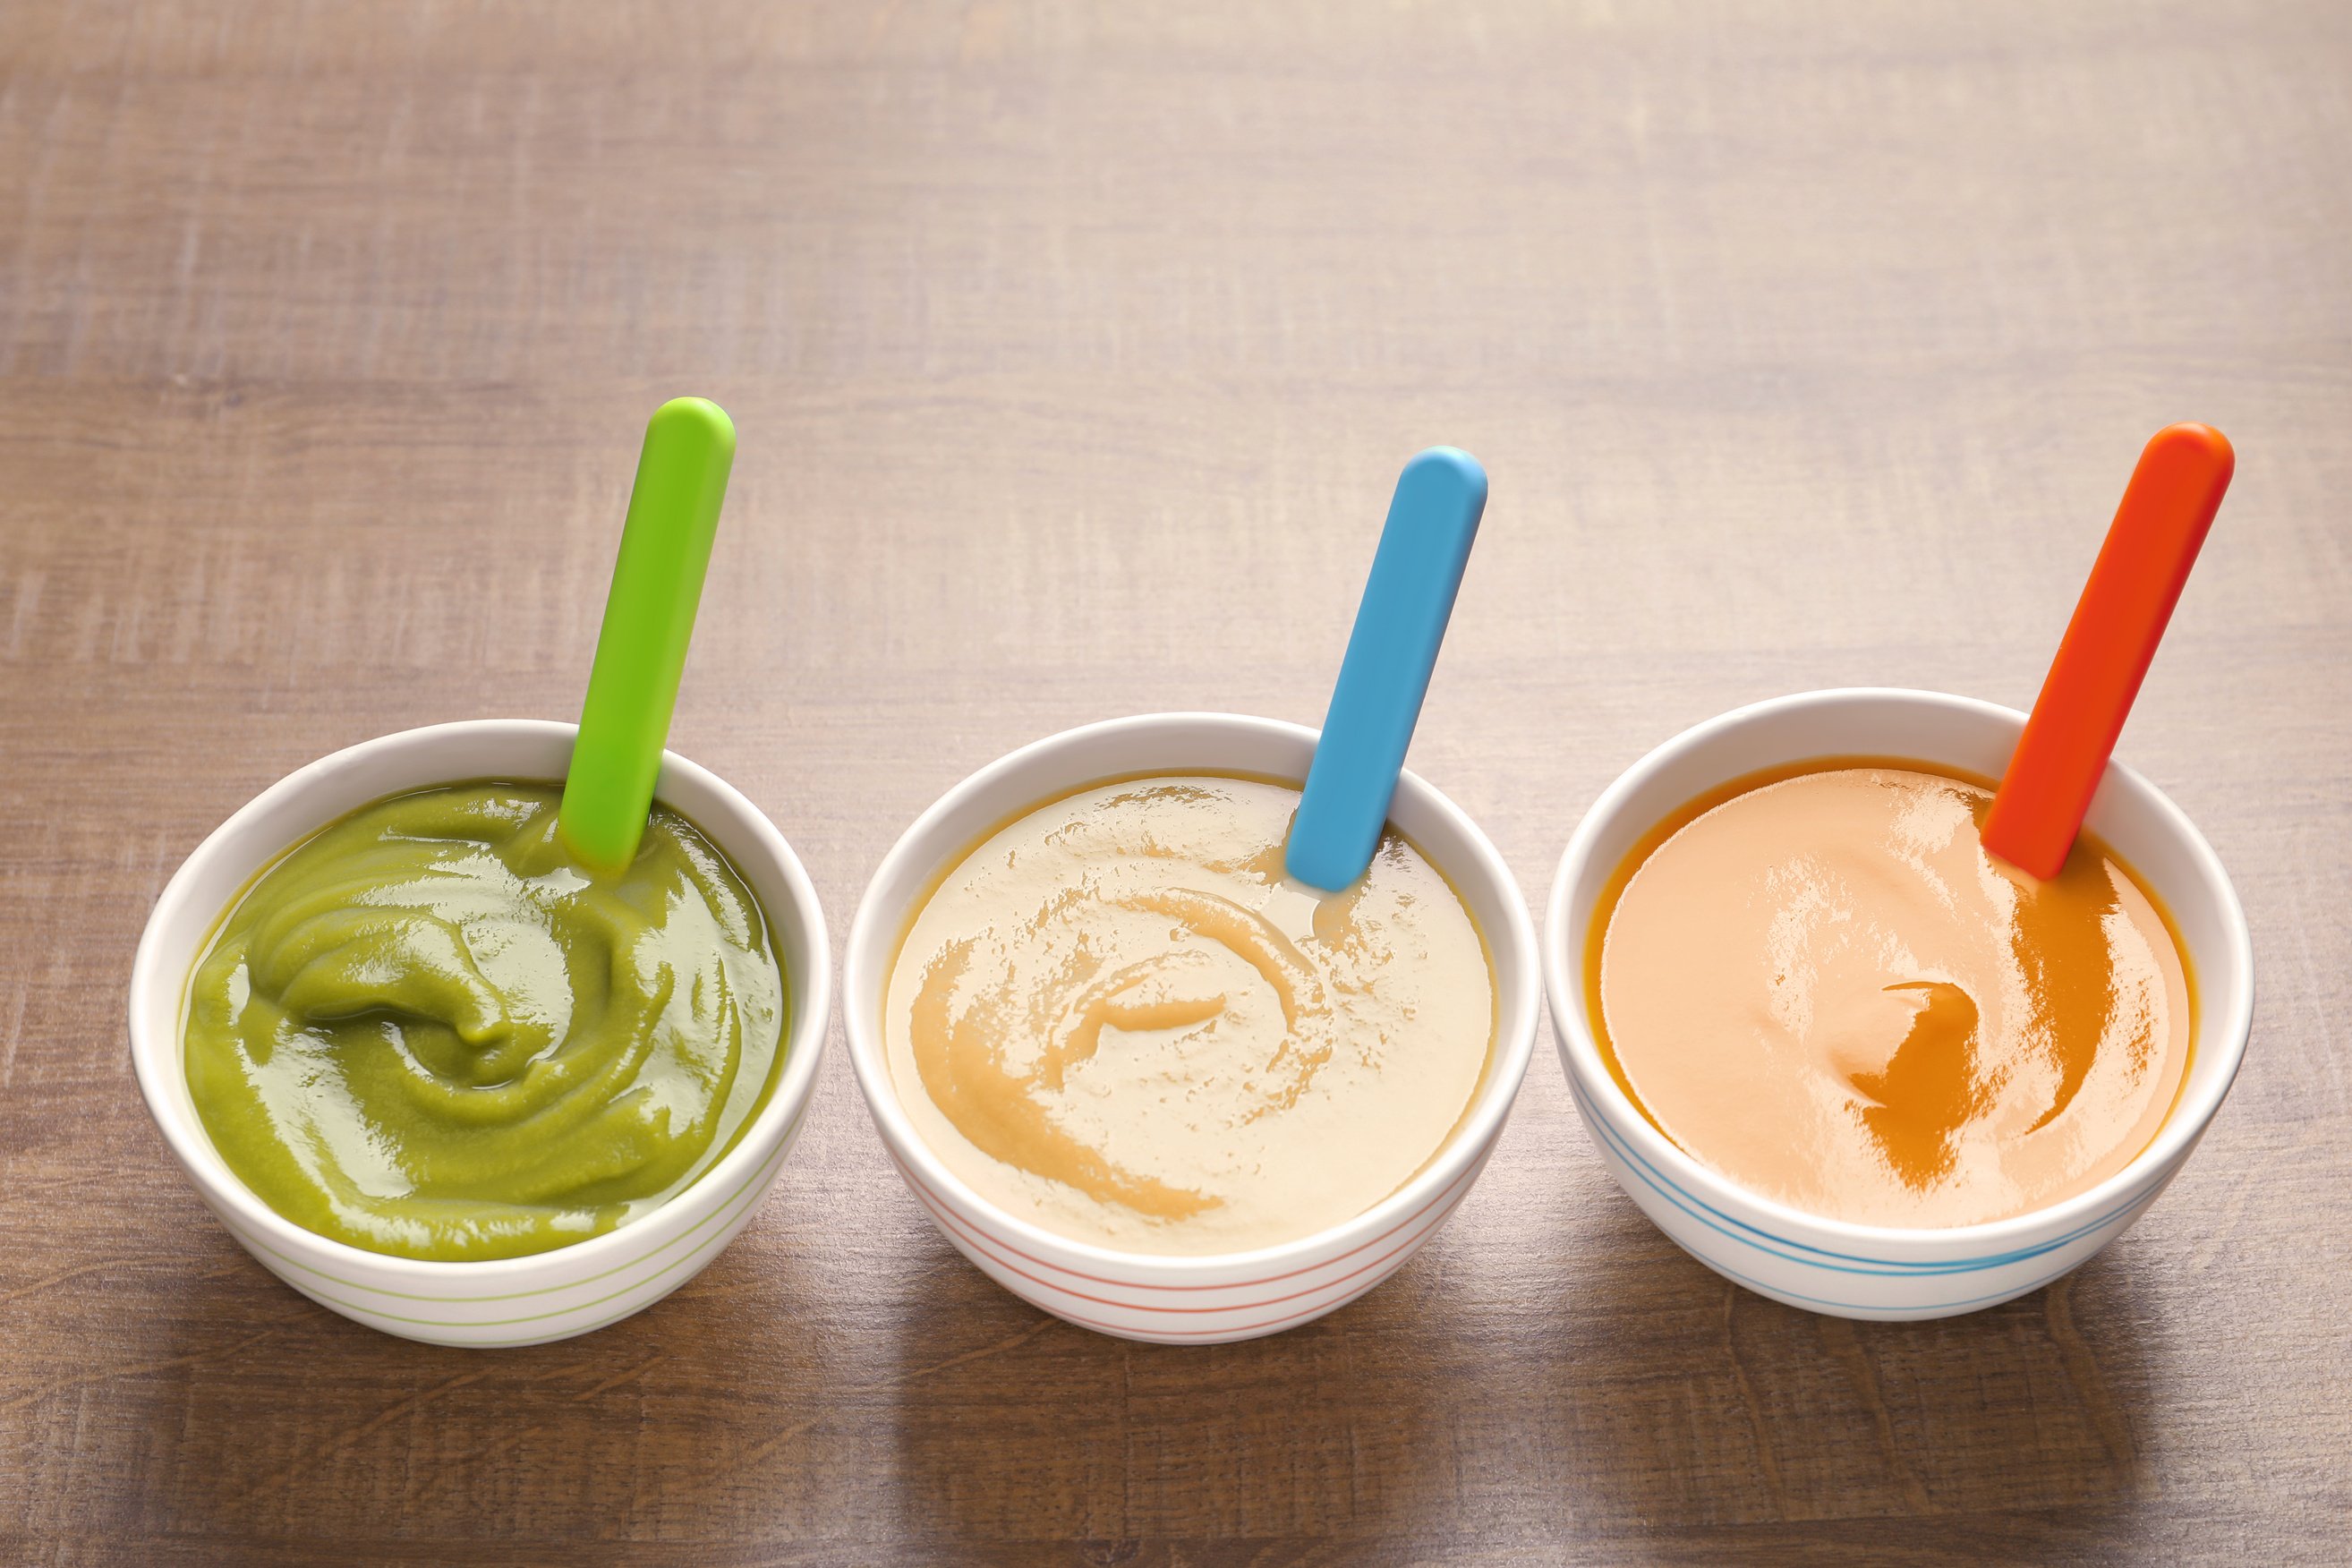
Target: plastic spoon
[
  {"x": 648, "y": 620},
  {"x": 1416, "y": 571},
  {"x": 2137, "y": 578}
]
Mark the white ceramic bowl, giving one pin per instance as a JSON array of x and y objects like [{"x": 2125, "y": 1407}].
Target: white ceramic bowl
[
  {"x": 1216, "y": 1298},
  {"x": 1874, "y": 1272},
  {"x": 503, "y": 1302}
]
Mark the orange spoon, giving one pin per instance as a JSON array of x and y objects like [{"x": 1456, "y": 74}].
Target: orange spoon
[{"x": 2134, "y": 584}]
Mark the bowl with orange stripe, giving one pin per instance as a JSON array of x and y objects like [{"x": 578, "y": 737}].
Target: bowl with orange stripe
[
  {"x": 1184, "y": 1299},
  {"x": 539, "y": 1296}
]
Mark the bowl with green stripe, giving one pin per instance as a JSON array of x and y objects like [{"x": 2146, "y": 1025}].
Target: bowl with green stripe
[{"x": 540, "y": 1296}]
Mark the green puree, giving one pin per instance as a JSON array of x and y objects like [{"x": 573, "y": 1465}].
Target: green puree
[{"x": 428, "y": 1032}]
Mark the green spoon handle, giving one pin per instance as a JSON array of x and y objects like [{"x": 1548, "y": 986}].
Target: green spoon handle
[{"x": 648, "y": 620}]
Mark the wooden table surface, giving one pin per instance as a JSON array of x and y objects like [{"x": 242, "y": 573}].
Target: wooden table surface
[{"x": 1074, "y": 350}]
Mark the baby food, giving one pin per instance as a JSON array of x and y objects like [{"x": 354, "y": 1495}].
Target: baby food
[
  {"x": 1820, "y": 986},
  {"x": 426, "y": 1031},
  {"x": 1114, "y": 1018}
]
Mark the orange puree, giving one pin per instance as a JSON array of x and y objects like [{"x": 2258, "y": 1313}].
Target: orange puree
[{"x": 1820, "y": 985}]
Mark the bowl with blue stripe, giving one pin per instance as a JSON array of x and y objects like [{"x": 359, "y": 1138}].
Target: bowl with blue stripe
[
  {"x": 488, "y": 1302},
  {"x": 1874, "y": 1271}
]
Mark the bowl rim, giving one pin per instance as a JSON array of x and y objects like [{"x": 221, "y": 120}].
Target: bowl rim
[
  {"x": 2083, "y": 1212},
  {"x": 873, "y": 942},
  {"x": 804, "y": 1041}
]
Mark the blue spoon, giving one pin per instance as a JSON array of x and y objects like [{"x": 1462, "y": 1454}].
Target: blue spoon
[{"x": 1416, "y": 572}]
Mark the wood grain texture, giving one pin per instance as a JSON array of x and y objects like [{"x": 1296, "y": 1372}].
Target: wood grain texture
[{"x": 1074, "y": 349}]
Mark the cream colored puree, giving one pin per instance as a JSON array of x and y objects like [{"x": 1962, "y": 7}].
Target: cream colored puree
[
  {"x": 1824, "y": 988},
  {"x": 1113, "y": 1018}
]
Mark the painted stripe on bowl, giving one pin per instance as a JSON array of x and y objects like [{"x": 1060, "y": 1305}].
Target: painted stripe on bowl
[
  {"x": 1765, "y": 1287},
  {"x": 1699, "y": 1210},
  {"x": 934, "y": 1200},
  {"x": 252, "y": 1243},
  {"x": 1238, "y": 1331},
  {"x": 470, "y": 1344},
  {"x": 978, "y": 1240},
  {"x": 736, "y": 1203}
]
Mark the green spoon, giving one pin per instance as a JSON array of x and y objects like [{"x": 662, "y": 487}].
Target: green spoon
[{"x": 648, "y": 620}]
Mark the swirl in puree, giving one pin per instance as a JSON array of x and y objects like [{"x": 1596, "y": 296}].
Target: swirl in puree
[
  {"x": 1114, "y": 1018},
  {"x": 1823, "y": 987},
  {"x": 426, "y": 1032}
]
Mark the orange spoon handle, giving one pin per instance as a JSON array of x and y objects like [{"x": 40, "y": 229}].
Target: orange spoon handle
[{"x": 2137, "y": 579}]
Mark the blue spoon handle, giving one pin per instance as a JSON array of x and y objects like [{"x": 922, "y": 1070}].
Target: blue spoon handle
[{"x": 1416, "y": 574}]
